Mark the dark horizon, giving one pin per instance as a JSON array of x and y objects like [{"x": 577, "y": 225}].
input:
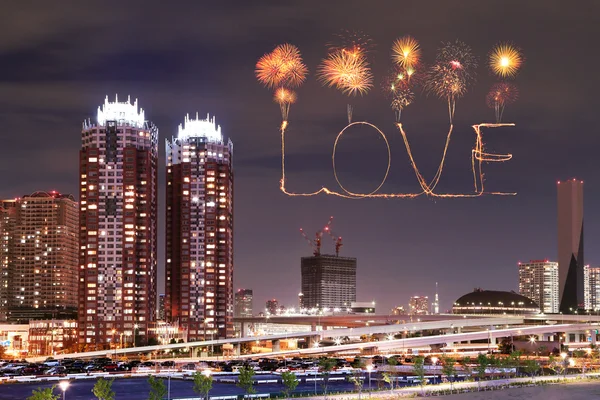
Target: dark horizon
[{"x": 185, "y": 58}]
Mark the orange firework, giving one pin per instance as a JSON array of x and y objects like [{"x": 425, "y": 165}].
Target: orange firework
[
  {"x": 281, "y": 67},
  {"x": 505, "y": 60},
  {"x": 347, "y": 72},
  {"x": 406, "y": 52},
  {"x": 284, "y": 97}
]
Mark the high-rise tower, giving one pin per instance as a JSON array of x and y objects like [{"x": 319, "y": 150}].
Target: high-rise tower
[
  {"x": 538, "y": 280},
  {"x": 570, "y": 244},
  {"x": 8, "y": 209},
  {"x": 436, "y": 301},
  {"x": 199, "y": 239},
  {"x": 118, "y": 226},
  {"x": 39, "y": 245},
  {"x": 328, "y": 281}
]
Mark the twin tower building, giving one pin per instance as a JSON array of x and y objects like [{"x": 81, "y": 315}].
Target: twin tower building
[{"x": 118, "y": 237}]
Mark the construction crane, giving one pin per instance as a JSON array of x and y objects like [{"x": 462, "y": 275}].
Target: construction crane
[
  {"x": 316, "y": 243},
  {"x": 337, "y": 240}
]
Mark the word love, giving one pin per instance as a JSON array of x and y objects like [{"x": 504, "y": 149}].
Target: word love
[{"x": 478, "y": 157}]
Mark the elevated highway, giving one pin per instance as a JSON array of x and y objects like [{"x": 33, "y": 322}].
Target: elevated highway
[{"x": 489, "y": 324}]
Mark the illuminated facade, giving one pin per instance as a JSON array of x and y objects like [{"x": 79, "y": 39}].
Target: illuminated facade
[
  {"x": 199, "y": 223},
  {"x": 243, "y": 303},
  {"x": 40, "y": 255},
  {"x": 592, "y": 288},
  {"x": 538, "y": 281},
  {"x": 118, "y": 232},
  {"x": 51, "y": 337},
  {"x": 7, "y": 220},
  {"x": 570, "y": 244},
  {"x": 328, "y": 281},
  {"x": 272, "y": 307},
  {"x": 398, "y": 310},
  {"x": 419, "y": 305},
  {"x": 483, "y": 302}
]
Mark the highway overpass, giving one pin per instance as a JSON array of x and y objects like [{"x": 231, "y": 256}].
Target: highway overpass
[{"x": 487, "y": 323}]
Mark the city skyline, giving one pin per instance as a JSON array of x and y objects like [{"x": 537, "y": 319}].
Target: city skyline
[{"x": 404, "y": 246}]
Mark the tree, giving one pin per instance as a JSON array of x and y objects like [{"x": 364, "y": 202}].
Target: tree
[
  {"x": 158, "y": 389},
  {"x": 466, "y": 368},
  {"x": 326, "y": 365},
  {"x": 531, "y": 367},
  {"x": 103, "y": 389},
  {"x": 356, "y": 379},
  {"x": 245, "y": 380},
  {"x": 290, "y": 381},
  {"x": 448, "y": 369},
  {"x": 203, "y": 383},
  {"x": 419, "y": 371},
  {"x": 390, "y": 375},
  {"x": 482, "y": 363},
  {"x": 553, "y": 365},
  {"x": 43, "y": 394}
]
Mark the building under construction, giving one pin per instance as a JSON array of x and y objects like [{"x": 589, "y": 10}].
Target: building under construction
[{"x": 328, "y": 281}]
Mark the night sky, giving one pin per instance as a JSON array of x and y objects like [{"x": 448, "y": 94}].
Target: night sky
[{"x": 58, "y": 62}]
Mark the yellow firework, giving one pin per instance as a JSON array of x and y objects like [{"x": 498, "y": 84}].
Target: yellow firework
[
  {"x": 505, "y": 60},
  {"x": 347, "y": 72},
  {"x": 284, "y": 96},
  {"x": 406, "y": 52}
]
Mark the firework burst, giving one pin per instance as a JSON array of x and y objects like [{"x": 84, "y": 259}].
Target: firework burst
[
  {"x": 281, "y": 67},
  {"x": 347, "y": 72},
  {"x": 406, "y": 52},
  {"x": 499, "y": 96},
  {"x": 352, "y": 42},
  {"x": 505, "y": 60},
  {"x": 284, "y": 97},
  {"x": 400, "y": 89},
  {"x": 452, "y": 73}
]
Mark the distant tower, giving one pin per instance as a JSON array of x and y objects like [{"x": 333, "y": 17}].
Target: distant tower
[
  {"x": 538, "y": 280},
  {"x": 436, "y": 302},
  {"x": 570, "y": 244},
  {"x": 328, "y": 281}
]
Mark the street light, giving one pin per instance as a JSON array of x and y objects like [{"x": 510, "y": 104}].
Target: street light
[
  {"x": 532, "y": 341},
  {"x": 114, "y": 342},
  {"x": 135, "y": 329},
  {"x": 369, "y": 368},
  {"x": 64, "y": 385}
]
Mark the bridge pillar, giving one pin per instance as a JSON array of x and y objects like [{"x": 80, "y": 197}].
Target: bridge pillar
[
  {"x": 594, "y": 338},
  {"x": 276, "y": 345},
  {"x": 313, "y": 326},
  {"x": 243, "y": 329},
  {"x": 237, "y": 349},
  {"x": 314, "y": 340}
]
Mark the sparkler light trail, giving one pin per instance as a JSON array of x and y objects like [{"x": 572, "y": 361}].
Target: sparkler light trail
[
  {"x": 505, "y": 60},
  {"x": 499, "y": 96},
  {"x": 346, "y": 68}
]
